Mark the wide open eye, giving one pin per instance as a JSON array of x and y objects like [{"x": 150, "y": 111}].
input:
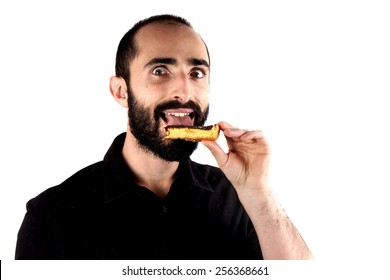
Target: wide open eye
[
  {"x": 198, "y": 73},
  {"x": 160, "y": 71}
]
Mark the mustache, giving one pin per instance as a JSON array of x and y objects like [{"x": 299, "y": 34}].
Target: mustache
[{"x": 199, "y": 115}]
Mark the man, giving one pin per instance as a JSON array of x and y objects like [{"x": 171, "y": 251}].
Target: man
[{"x": 147, "y": 199}]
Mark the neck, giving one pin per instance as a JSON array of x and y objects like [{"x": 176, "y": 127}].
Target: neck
[{"x": 159, "y": 174}]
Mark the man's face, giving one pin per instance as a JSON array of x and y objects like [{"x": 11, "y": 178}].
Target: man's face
[{"x": 169, "y": 85}]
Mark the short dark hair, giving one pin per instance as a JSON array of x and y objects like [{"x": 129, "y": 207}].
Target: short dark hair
[{"x": 127, "y": 48}]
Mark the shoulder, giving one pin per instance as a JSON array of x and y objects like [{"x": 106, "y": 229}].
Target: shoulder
[{"x": 85, "y": 183}]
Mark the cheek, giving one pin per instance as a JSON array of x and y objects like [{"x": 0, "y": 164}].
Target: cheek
[
  {"x": 148, "y": 95},
  {"x": 203, "y": 97}
]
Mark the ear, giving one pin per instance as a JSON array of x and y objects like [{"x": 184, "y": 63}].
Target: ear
[{"x": 118, "y": 90}]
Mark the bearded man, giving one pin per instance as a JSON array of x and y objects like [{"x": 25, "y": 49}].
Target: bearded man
[{"x": 147, "y": 199}]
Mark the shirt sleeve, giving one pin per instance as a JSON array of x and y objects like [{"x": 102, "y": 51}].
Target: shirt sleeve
[{"x": 36, "y": 238}]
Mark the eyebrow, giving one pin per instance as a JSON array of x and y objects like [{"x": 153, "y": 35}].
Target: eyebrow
[
  {"x": 198, "y": 62},
  {"x": 173, "y": 61}
]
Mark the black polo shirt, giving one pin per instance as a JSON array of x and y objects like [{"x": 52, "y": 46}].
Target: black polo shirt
[{"x": 100, "y": 213}]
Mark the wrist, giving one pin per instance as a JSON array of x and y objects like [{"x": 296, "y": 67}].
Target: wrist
[{"x": 258, "y": 200}]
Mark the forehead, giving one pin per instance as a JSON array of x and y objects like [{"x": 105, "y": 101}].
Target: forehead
[{"x": 170, "y": 40}]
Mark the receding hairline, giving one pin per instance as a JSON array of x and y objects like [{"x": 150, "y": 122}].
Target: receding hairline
[
  {"x": 161, "y": 20},
  {"x": 129, "y": 48},
  {"x": 165, "y": 22},
  {"x": 162, "y": 23}
]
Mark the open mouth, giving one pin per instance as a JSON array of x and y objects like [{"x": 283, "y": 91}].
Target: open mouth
[{"x": 178, "y": 117}]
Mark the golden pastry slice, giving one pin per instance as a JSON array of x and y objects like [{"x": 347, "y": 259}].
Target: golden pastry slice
[{"x": 193, "y": 133}]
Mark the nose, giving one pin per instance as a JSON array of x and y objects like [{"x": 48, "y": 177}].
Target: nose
[{"x": 182, "y": 89}]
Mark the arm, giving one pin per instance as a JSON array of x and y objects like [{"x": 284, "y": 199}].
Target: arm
[{"x": 246, "y": 166}]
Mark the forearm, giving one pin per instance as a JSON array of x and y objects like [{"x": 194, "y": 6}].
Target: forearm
[
  {"x": 246, "y": 166},
  {"x": 278, "y": 237}
]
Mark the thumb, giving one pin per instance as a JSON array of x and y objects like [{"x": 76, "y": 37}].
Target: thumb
[{"x": 216, "y": 151}]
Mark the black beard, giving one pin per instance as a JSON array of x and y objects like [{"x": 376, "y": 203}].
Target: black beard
[{"x": 146, "y": 128}]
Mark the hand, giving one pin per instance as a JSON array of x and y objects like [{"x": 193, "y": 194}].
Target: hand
[
  {"x": 246, "y": 166},
  {"x": 246, "y": 162}
]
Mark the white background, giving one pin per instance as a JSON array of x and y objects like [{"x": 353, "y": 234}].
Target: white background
[{"x": 313, "y": 75}]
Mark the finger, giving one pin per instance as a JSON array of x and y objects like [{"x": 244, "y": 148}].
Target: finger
[
  {"x": 252, "y": 136},
  {"x": 224, "y": 125},
  {"x": 234, "y": 132},
  {"x": 229, "y": 130},
  {"x": 218, "y": 153},
  {"x": 244, "y": 134},
  {"x": 256, "y": 140}
]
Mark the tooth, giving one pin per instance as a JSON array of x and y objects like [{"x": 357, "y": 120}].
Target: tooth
[{"x": 179, "y": 114}]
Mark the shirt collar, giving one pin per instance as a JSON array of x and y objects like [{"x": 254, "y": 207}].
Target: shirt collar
[{"x": 118, "y": 179}]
